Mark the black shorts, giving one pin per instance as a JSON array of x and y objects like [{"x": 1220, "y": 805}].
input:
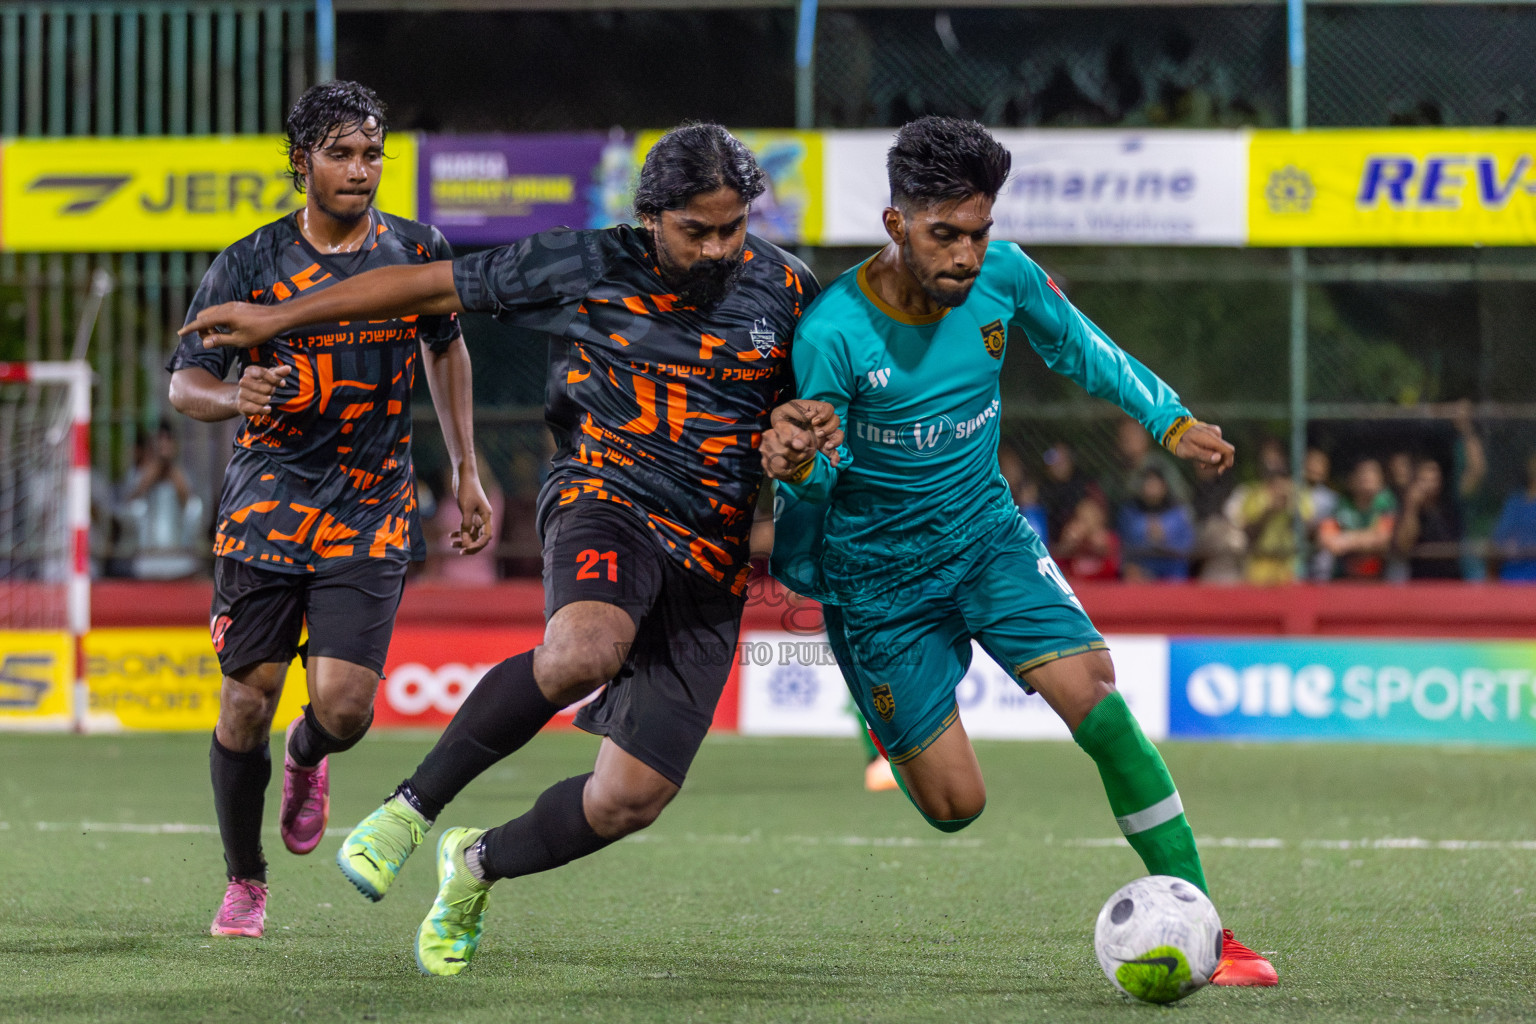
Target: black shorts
[
  {"x": 662, "y": 702},
  {"x": 258, "y": 613}
]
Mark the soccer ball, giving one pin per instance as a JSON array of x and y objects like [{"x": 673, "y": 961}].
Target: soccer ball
[{"x": 1158, "y": 939}]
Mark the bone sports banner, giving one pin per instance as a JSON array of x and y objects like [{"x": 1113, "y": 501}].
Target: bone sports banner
[
  {"x": 491, "y": 189},
  {"x": 1070, "y": 188},
  {"x": 161, "y": 194},
  {"x": 1444, "y": 691},
  {"x": 1393, "y": 187},
  {"x": 791, "y": 686}
]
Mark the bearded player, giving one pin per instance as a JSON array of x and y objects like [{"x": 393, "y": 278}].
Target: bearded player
[
  {"x": 911, "y": 540},
  {"x": 318, "y": 519},
  {"x": 670, "y": 347}
]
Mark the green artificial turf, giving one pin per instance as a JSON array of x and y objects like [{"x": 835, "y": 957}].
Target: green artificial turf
[{"x": 776, "y": 889}]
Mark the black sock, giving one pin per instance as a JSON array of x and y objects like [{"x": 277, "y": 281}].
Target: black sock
[
  {"x": 554, "y": 832},
  {"x": 505, "y": 710},
  {"x": 311, "y": 743},
  {"x": 239, "y": 789}
]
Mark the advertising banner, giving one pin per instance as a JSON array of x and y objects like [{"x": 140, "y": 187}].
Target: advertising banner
[
  {"x": 1393, "y": 187},
  {"x": 164, "y": 680},
  {"x": 430, "y": 670},
  {"x": 1071, "y": 188},
  {"x": 492, "y": 189},
  {"x": 1419, "y": 691},
  {"x": 790, "y": 212},
  {"x": 35, "y": 684},
  {"x": 160, "y": 194},
  {"x": 790, "y": 686}
]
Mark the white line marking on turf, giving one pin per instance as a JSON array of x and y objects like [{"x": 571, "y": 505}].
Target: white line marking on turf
[
  {"x": 1385, "y": 843},
  {"x": 172, "y": 828}
]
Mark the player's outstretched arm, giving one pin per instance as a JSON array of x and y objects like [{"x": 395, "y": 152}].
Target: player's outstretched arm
[
  {"x": 1202, "y": 443},
  {"x": 451, "y": 382},
  {"x": 381, "y": 294},
  {"x": 199, "y": 394}
]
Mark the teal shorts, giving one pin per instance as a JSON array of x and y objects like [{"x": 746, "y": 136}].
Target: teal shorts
[{"x": 902, "y": 654}]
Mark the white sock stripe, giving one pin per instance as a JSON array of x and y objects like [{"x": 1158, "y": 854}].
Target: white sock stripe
[{"x": 1166, "y": 809}]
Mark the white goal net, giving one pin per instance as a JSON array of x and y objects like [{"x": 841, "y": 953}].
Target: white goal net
[{"x": 44, "y": 532}]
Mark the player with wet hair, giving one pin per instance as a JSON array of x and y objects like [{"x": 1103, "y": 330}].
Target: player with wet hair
[
  {"x": 318, "y": 517},
  {"x": 669, "y": 364},
  {"x": 912, "y": 541}
]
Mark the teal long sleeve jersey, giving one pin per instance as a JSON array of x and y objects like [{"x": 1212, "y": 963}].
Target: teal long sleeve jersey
[{"x": 917, "y": 480}]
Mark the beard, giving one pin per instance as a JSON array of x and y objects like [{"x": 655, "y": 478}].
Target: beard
[
  {"x": 702, "y": 284},
  {"x": 342, "y": 217},
  {"x": 943, "y": 290}
]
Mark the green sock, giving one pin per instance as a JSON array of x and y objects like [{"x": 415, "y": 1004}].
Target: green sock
[{"x": 1141, "y": 792}]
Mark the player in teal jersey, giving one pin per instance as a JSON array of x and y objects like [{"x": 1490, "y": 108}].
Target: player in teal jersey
[{"x": 912, "y": 542}]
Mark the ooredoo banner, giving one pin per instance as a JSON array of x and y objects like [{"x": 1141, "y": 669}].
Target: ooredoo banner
[
  {"x": 1070, "y": 187},
  {"x": 791, "y": 686},
  {"x": 1402, "y": 690}
]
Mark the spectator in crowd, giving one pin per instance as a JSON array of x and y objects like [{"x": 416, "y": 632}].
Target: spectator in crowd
[
  {"x": 1024, "y": 489},
  {"x": 1270, "y": 514},
  {"x": 1064, "y": 487},
  {"x": 1315, "y": 470},
  {"x": 1514, "y": 538},
  {"x": 1135, "y": 454},
  {"x": 1428, "y": 533},
  {"x": 445, "y": 561},
  {"x": 1157, "y": 531},
  {"x": 1219, "y": 543},
  {"x": 1399, "y": 468},
  {"x": 1359, "y": 533},
  {"x": 161, "y": 519},
  {"x": 1089, "y": 549},
  {"x": 1470, "y": 466}
]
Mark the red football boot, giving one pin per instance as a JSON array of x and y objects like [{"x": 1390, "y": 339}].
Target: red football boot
[{"x": 1240, "y": 965}]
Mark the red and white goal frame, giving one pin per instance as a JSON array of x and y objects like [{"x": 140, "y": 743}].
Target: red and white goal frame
[{"x": 63, "y": 560}]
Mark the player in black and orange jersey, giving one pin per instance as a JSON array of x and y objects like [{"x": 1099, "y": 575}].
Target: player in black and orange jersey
[
  {"x": 670, "y": 359},
  {"x": 317, "y": 520}
]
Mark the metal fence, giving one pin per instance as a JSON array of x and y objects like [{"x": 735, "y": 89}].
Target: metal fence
[
  {"x": 1392, "y": 337},
  {"x": 135, "y": 69}
]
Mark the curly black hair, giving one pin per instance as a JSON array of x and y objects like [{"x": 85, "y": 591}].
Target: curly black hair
[
  {"x": 940, "y": 159},
  {"x": 328, "y": 111},
  {"x": 692, "y": 159}
]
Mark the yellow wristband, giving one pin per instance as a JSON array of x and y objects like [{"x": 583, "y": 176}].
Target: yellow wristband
[
  {"x": 1175, "y": 432},
  {"x": 799, "y": 475}
]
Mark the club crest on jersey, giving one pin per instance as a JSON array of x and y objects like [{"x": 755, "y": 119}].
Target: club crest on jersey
[
  {"x": 993, "y": 335},
  {"x": 885, "y": 704},
  {"x": 762, "y": 336}
]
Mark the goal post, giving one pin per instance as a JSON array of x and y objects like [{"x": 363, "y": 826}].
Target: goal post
[{"x": 45, "y": 527}]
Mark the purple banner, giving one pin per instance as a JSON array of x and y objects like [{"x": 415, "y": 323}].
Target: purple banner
[{"x": 490, "y": 189}]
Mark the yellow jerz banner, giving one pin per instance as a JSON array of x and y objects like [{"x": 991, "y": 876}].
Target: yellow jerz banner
[
  {"x": 160, "y": 194},
  {"x": 1392, "y": 187}
]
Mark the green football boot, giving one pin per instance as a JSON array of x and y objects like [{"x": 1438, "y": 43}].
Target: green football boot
[
  {"x": 373, "y": 852},
  {"x": 448, "y": 938}
]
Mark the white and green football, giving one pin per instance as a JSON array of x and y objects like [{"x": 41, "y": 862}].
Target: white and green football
[{"x": 1158, "y": 939}]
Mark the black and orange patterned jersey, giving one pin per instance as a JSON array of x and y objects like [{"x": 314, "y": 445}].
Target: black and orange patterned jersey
[
  {"x": 656, "y": 406},
  {"x": 327, "y": 475}
]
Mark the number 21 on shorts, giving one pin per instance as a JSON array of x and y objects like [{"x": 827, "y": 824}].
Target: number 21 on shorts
[
  {"x": 587, "y": 565},
  {"x": 1051, "y": 572}
]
